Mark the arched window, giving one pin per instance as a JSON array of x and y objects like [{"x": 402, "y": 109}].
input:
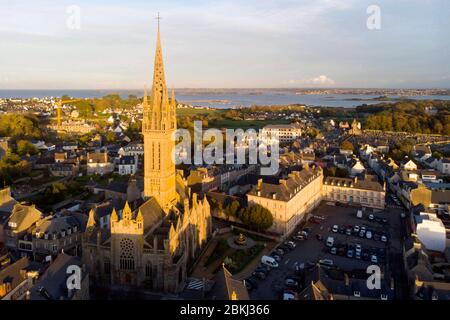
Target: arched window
[{"x": 126, "y": 254}]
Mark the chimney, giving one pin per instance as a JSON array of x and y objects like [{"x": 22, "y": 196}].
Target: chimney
[{"x": 260, "y": 181}]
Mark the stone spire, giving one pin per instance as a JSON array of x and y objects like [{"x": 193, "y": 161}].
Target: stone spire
[{"x": 159, "y": 102}]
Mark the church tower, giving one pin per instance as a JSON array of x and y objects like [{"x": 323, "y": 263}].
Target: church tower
[{"x": 158, "y": 128}]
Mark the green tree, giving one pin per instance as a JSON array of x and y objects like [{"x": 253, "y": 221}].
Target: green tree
[
  {"x": 232, "y": 209},
  {"x": 256, "y": 217},
  {"x": 25, "y": 147}
]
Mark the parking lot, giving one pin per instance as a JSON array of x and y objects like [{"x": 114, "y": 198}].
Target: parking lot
[{"x": 312, "y": 249}]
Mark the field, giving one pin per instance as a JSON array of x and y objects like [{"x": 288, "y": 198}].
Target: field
[{"x": 244, "y": 124}]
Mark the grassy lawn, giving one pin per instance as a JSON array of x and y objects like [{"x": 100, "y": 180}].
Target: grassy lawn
[
  {"x": 219, "y": 251},
  {"x": 241, "y": 258},
  {"x": 192, "y": 111}
]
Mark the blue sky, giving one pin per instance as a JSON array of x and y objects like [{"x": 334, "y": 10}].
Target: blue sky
[{"x": 225, "y": 44}]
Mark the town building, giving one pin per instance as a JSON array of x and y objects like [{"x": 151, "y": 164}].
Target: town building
[
  {"x": 128, "y": 165},
  {"x": 99, "y": 163},
  {"x": 52, "y": 285},
  {"x": 290, "y": 199},
  {"x": 16, "y": 280},
  {"x": 283, "y": 133},
  {"x": 366, "y": 192}
]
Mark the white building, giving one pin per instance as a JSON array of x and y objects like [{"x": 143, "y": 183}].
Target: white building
[
  {"x": 128, "y": 165},
  {"x": 431, "y": 232},
  {"x": 285, "y": 133}
]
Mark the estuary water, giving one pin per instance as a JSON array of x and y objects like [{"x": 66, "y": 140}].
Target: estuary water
[{"x": 228, "y": 98}]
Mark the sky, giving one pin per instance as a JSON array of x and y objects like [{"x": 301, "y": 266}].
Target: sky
[{"x": 225, "y": 44}]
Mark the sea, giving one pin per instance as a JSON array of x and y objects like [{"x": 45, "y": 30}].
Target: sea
[{"x": 223, "y": 99}]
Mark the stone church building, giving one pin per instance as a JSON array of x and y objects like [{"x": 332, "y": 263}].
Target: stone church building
[{"x": 152, "y": 240}]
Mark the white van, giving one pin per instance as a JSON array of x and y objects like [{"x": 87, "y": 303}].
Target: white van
[
  {"x": 330, "y": 242},
  {"x": 359, "y": 214},
  {"x": 269, "y": 261}
]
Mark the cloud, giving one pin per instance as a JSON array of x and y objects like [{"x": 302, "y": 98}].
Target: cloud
[{"x": 322, "y": 80}]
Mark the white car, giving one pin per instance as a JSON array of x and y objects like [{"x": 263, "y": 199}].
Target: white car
[
  {"x": 358, "y": 248},
  {"x": 383, "y": 238},
  {"x": 369, "y": 234},
  {"x": 374, "y": 259},
  {"x": 326, "y": 262},
  {"x": 335, "y": 228}
]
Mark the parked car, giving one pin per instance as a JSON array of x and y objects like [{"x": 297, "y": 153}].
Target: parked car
[
  {"x": 342, "y": 230},
  {"x": 279, "y": 251},
  {"x": 341, "y": 251},
  {"x": 350, "y": 253},
  {"x": 290, "y": 244},
  {"x": 356, "y": 229},
  {"x": 371, "y": 217},
  {"x": 269, "y": 261},
  {"x": 307, "y": 230},
  {"x": 362, "y": 233},
  {"x": 384, "y": 220},
  {"x": 259, "y": 275},
  {"x": 348, "y": 232},
  {"x": 330, "y": 242},
  {"x": 374, "y": 259},
  {"x": 335, "y": 228},
  {"x": 376, "y": 237},
  {"x": 358, "y": 248},
  {"x": 251, "y": 283},
  {"x": 298, "y": 238},
  {"x": 384, "y": 238},
  {"x": 319, "y": 237},
  {"x": 291, "y": 282},
  {"x": 289, "y": 295},
  {"x": 333, "y": 250},
  {"x": 358, "y": 255},
  {"x": 369, "y": 234},
  {"x": 326, "y": 262},
  {"x": 366, "y": 256}
]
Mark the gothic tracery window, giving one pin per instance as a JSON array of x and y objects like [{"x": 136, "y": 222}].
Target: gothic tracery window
[{"x": 126, "y": 254}]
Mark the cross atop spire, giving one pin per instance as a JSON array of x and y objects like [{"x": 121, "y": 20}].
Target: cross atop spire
[{"x": 158, "y": 17}]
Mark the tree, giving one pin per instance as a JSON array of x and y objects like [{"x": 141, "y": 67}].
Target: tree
[
  {"x": 110, "y": 137},
  {"x": 437, "y": 155},
  {"x": 347, "y": 145},
  {"x": 25, "y": 147},
  {"x": 232, "y": 209},
  {"x": 257, "y": 217}
]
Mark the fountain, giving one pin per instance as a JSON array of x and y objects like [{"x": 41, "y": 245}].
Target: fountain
[{"x": 241, "y": 240}]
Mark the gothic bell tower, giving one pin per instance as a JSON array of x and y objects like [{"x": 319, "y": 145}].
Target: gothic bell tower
[{"x": 158, "y": 128}]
